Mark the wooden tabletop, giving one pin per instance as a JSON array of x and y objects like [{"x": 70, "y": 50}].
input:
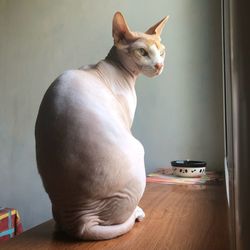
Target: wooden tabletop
[{"x": 178, "y": 217}]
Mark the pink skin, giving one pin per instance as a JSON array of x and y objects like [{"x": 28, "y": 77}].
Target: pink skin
[{"x": 91, "y": 165}]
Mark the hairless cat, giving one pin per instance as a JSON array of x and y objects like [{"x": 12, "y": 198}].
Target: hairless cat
[{"x": 91, "y": 165}]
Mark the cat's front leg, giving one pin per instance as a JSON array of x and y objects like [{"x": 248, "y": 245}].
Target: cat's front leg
[{"x": 139, "y": 214}]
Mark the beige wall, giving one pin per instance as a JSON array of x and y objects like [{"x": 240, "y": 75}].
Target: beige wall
[{"x": 179, "y": 114}]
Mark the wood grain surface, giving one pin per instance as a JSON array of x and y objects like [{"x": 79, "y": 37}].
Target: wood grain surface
[{"x": 178, "y": 217}]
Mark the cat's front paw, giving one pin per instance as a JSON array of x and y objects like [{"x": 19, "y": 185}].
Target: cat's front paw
[{"x": 139, "y": 214}]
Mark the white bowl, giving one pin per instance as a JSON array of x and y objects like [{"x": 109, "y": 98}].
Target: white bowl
[{"x": 188, "y": 168}]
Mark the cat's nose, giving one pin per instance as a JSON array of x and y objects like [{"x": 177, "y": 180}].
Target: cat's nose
[{"x": 158, "y": 66}]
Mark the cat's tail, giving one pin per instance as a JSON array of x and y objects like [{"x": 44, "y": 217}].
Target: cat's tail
[{"x": 99, "y": 232}]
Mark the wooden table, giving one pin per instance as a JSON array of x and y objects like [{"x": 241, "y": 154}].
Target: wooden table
[{"x": 178, "y": 217}]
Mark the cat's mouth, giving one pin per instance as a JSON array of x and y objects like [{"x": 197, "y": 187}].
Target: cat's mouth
[
  {"x": 159, "y": 71},
  {"x": 151, "y": 72}
]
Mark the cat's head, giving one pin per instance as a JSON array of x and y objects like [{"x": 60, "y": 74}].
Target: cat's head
[{"x": 144, "y": 49}]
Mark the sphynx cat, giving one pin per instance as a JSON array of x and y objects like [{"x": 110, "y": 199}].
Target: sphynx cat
[{"x": 91, "y": 165}]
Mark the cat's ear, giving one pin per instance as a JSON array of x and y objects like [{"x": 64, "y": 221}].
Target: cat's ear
[
  {"x": 157, "y": 28},
  {"x": 121, "y": 32}
]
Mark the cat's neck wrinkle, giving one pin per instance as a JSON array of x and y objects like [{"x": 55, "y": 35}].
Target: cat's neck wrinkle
[
  {"x": 120, "y": 80},
  {"x": 121, "y": 85},
  {"x": 122, "y": 61}
]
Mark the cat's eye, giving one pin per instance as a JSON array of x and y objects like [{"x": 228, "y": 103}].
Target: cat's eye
[
  {"x": 143, "y": 52},
  {"x": 162, "y": 53}
]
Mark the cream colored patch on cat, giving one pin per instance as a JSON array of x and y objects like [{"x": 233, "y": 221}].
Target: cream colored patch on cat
[{"x": 91, "y": 165}]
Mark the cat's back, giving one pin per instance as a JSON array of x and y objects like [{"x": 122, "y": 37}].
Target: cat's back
[
  {"x": 78, "y": 127},
  {"x": 74, "y": 86},
  {"x": 78, "y": 109},
  {"x": 76, "y": 94}
]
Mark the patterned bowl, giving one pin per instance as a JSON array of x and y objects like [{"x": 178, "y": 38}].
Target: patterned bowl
[{"x": 188, "y": 168}]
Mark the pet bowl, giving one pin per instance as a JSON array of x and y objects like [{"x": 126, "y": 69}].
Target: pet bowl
[{"x": 188, "y": 168}]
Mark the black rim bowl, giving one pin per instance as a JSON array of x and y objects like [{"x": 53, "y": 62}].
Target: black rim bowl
[{"x": 188, "y": 164}]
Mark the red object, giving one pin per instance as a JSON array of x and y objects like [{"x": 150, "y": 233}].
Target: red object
[{"x": 10, "y": 224}]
